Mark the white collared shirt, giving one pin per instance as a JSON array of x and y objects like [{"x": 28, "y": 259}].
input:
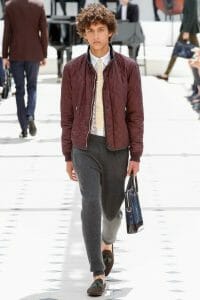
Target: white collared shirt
[
  {"x": 124, "y": 12},
  {"x": 106, "y": 60}
]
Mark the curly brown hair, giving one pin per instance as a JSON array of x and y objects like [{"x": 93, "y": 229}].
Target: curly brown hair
[{"x": 93, "y": 14}]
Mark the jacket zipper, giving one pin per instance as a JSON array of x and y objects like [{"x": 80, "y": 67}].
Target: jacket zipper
[
  {"x": 91, "y": 112},
  {"x": 104, "y": 110},
  {"x": 92, "y": 105}
]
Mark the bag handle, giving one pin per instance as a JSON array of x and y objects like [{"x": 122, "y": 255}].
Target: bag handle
[{"x": 133, "y": 182}]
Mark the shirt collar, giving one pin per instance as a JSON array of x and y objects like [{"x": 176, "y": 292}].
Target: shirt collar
[{"x": 105, "y": 58}]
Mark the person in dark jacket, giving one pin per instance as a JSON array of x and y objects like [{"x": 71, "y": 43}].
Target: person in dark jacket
[
  {"x": 53, "y": 33},
  {"x": 102, "y": 123},
  {"x": 24, "y": 50},
  {"x": 155, "y": 11},
  {"x": 188, "y": 32},
  {"x": 129, "y": 12}
]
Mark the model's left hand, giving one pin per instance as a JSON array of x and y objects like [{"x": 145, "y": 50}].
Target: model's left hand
[
  {"x": 43, "y": 62},
  {"x": 133, "y": 167},
  {"x": 6, "y": 63}
]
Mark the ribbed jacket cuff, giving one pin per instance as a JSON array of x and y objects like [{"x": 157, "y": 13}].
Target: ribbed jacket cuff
[
  {"x": 68, "y": 157},
  {"x": 135, "y": 157}
]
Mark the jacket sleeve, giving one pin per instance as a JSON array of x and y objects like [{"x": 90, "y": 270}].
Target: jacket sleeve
[
  {"x": 6, "y": 35},
  {"x": 189, "y": 16},
  {"x": 133, "y": 13},
  {"x": 67, "y": 115},
  {"x": 134, "y": 113},
  {"x": 43, "y": 32}
]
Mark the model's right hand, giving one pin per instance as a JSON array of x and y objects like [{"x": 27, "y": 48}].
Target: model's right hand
[
  {"x": 70, "y": 171},
  {"x": 195, "y": 63},
  {"x": 196, "y": 51},
  {"x": 133, "y": 167}
]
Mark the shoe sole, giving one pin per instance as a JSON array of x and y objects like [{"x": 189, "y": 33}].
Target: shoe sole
[{"x": 162, "y": 78}]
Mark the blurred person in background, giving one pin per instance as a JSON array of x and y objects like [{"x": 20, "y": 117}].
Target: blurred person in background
[
  {"x": 188, "y": 33},
  {"x": 2, "y": 73},
  {"x": 195, "y": 63},
  {"x": 25, "y": 42},
  {"x": 129, "y": 12},
  {"x": 155, "y": 11},
  {"x": 60, "y": 51}
]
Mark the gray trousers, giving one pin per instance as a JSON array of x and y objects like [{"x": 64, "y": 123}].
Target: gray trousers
[{"x": 101, "y": 174}]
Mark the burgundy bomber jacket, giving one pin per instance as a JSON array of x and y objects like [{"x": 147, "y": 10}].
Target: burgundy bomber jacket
[{"x": 122, "y": 100}]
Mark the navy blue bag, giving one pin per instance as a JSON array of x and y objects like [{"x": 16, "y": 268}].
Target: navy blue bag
[
  {"x": 183, "y": 49},
  {"x": 133, "y": 211}
]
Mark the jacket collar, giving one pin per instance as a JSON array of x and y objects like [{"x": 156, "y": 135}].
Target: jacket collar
[{"x": 112, "y": 53}]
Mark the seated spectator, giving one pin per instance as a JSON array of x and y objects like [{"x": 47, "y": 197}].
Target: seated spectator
[
  {"x": 2, "y": 73},
  {"x": 60, "y": 51},
  {"x": 155, "y": 11},
  {"x": 130, "y": 12}
]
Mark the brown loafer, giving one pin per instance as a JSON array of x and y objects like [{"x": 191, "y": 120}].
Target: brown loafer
[
  {"x": 108, "y": 259},
  {"x": 97, "y": 288},
  {"x": 162, "y": 77}
]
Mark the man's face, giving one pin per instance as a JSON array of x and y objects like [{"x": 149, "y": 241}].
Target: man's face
[
  {"x": 124, "y": 2},
  {"x": 97, "y": 35}
]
